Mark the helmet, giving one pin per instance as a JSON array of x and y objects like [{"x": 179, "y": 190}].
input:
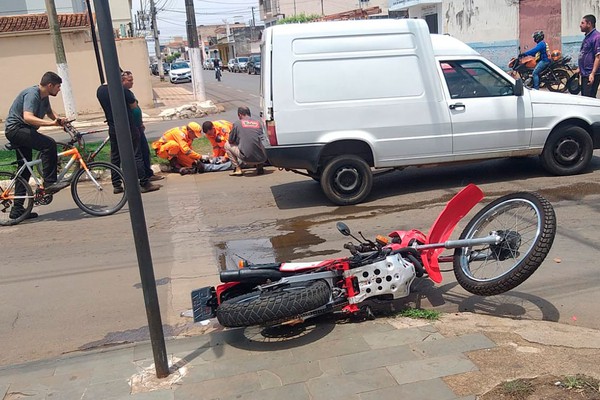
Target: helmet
[
  {"x": 195, "y": 127},
  {"x": 555, "y": 55},
  {"x": 538, "y": 36}
]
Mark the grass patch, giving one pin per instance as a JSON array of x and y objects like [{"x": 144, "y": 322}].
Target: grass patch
[
  {"x": 517, "y": 389},
  {"x": 580, "y": 382},
  {"x": 201, "y": 145},
  {"x": 419, "y": 313}
]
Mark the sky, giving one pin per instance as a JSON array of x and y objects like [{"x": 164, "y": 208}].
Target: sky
[{"x": 171, "y": 15}]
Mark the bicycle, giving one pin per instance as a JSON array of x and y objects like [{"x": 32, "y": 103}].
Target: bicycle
[
  {"x": 77, "y": 140},
  {"x": 218, "y": 73},
  {"x": 91, "y": 187}
]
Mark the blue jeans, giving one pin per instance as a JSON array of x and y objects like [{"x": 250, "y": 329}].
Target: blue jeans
[
  {"x": 541, "y": 65},
  {"x": 209, "y": 167},
  {"x": 145, "y": 149}
]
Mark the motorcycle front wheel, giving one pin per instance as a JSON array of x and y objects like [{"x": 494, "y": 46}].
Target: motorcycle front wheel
[
  {"x": 527, "y": 225},
  {"x": 260, "y": 308}
]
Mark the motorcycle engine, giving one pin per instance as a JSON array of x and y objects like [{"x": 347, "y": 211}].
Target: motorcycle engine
[{"x": 391, "y": 276}]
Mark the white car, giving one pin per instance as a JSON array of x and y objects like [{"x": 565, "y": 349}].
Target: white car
[
  {"x": 180, "y": 72},
  {"x": 231, "y": 65}
]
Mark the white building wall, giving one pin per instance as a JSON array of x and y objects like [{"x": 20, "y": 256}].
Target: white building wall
[
  {"x": 291, "y": 7},
  {"x": 572, "y": 11}
]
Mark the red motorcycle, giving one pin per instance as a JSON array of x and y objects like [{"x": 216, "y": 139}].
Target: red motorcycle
[{"x": 499, "y": 249}]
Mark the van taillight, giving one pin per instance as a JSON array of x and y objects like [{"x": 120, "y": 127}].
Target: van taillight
[{"x": 271, "y": 132}]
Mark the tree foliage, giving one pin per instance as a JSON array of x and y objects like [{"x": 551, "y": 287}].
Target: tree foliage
[{"x": 299, "y": 19}]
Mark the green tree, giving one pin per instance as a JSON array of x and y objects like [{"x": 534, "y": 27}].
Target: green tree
[{"x": 299, "y": 19}]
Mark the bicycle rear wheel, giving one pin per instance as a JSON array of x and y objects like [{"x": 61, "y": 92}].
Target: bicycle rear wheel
[
  {"x": 61, "y": 162},
  {"x": 11, "y": 213},
  {"x": 95, "y": 196}
]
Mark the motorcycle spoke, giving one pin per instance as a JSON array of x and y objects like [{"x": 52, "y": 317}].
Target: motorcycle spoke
[{"x": 519, "y": 220}]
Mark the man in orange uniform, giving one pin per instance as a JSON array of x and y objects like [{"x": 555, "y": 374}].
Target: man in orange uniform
[
  {"x": 175, "y": 145},
  {"x": 217, "y": 133}
]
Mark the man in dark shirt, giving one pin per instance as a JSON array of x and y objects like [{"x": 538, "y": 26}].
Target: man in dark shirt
[
  {"x": 589, "y": 57},
  {"x": 24, "y": 118},
  {"x": 245, "y": 144},
  {"x": 115, "y": 157}
]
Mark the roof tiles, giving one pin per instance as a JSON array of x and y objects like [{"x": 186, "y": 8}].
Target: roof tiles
[{"x": 34, "y": 22}]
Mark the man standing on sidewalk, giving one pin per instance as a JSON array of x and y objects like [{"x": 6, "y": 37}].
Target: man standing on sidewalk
[
  {"x": 115, "y": 157},
  {"x": 589, "y": 57}
]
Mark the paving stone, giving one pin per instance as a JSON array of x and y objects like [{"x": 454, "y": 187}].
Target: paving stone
[
  {"x": 107, "y": 390},
  {"x": 199, "y": 373},
  {"x": 453, "y": 345},
  {"x": 189, "y": 344},
  {"x": 345, "y": 386},
  {"x": 321, "y": 350},
  {"x": 396, "y": 337},
  {"x": 252, "y": 363},
  {"x": 90, "y": 361},
  {"x": 219, "y": 388},
  {"x": 269, "y": 380},
  {"x": 28, "y": 394},
  {"x": 26, "y": 373},
  {"x": 376, "y": 358},
  {"x": 331, "y": 366},
  {"x": 155, "y": 395},
  {"x": 3, "y": 390},
  {"x": 430, "y": 368},
  {"x": 73, "y": 394},
  {"x": 296, "y": 391},
  {"x": 296, "y": 373},
  {"x": 424, "y": 390},
  {"x": 107, "y": 373}
]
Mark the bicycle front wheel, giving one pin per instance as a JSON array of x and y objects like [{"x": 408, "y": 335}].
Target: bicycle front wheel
[
  {"x": 93, "y": 191},
  {"x": 14, "y": 211},
  {"x": 526, "y": 224}
]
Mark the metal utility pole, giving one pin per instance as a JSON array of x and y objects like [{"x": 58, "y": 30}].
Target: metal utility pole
[
  {"x": 132, "y": 187},
  {"x": 61, "y": 61},
  {"x": 161, "y": 71},
  {"x": 95, "y": 41},
  {"x": 322, "y": 12},
  {"x": 195, "y": 57}
]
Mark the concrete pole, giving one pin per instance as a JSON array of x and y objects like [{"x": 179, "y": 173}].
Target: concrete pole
[
  {"x": 161, "y": 71},
  {"x": 61, "y": 61},
  {"x": 195, "y": 57}
]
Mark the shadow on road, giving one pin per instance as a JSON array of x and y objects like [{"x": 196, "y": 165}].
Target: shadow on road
[{"x": 308, "y": 193}]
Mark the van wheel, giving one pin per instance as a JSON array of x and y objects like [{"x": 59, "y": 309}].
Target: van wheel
[
  {"x": 568, "y": 151},
  {"x": 347, "y": 180}
]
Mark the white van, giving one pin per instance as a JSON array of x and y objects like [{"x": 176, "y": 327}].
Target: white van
[{"x": 343, "y": 98}]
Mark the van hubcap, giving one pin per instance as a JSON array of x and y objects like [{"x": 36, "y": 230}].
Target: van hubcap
[
  {"x": 567, "y": 151},
  {"x": 347, "y": 179}
]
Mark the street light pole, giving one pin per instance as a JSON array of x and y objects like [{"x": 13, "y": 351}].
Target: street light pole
[{"x": 195, "y": 57}]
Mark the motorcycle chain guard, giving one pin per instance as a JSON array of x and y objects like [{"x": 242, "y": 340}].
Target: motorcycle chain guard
[{"x": 392, "y": 276}]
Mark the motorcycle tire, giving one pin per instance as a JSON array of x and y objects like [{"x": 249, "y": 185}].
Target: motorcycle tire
[
  {"x": 527, "y": 223},
  {"x": 558, "y": 82},
  {"x": 267, "y": 307}
]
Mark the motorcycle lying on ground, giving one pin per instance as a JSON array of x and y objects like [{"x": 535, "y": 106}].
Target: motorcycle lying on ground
[
  {"x": 554, "y": 77},
  {"x": 500, "y": 248}
]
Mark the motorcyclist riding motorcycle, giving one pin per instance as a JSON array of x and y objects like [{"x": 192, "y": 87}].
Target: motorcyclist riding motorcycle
[{"x": 540, "y": 51}]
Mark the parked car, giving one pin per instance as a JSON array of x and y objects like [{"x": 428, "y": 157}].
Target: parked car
[
  {"x": 231, "y": 64},
  {"x": 240, "y": 64},
  {"x": 253, "y": 65},
  {"x": 154, "y": 68},
  {"x": 333, "y": 109},
  {"x": 180, "y": 72},
  {"x": 207, "y": 64}
]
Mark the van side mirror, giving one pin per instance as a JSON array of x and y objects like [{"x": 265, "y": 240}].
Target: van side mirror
[{"x": 518, "y": 89}]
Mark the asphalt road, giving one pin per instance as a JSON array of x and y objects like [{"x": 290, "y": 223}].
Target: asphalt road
[{"x": 70, "y": 281}]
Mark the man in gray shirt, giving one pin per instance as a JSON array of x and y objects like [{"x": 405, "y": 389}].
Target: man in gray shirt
[
  {"x": 24, "y": 118},
  {"x": 245, "y": 143}
]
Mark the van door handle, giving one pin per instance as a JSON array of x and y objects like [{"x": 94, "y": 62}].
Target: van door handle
[{"x": 457, "y": 106}]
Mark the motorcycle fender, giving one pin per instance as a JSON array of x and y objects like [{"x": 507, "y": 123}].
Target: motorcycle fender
[
  {"x": 223, "y": 288},
  {"x": 444, "y": 225}
]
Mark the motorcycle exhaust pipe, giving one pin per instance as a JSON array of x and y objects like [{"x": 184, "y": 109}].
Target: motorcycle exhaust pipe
[{"x": 250, "y": 275}]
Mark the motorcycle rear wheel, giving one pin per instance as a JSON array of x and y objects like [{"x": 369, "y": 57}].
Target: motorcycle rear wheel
[
  {"x": 527, "y": 223},
  {"x": 259, "y": 308}
]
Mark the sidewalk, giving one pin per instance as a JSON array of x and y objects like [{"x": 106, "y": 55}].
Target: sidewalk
[{"x": 458, "y": 357}]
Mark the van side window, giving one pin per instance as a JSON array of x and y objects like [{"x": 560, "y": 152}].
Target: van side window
[{"x": 468, "y": 79}]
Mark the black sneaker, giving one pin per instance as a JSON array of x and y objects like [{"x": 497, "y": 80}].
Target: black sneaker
[
  {"x": 260, "y": 170},
  {"x": 118, "y": 189},
  {"x": 15, "y": 213},
  {"x": 55, "y": 187}
]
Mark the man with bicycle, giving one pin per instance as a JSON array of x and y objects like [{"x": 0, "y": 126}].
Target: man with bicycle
[{"x": 25, "y": 117}]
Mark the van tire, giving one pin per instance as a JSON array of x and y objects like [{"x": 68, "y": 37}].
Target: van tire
[
  {"x": 347, "y": 180},
  {"x": 568, "y": 151}
]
